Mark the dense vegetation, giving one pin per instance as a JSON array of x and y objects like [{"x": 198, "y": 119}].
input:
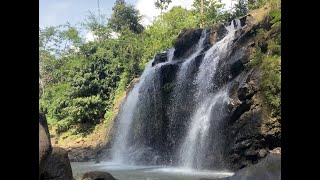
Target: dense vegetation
[
  {"x": 80, "y": 81},
  {"x": 267, "y": 55}
]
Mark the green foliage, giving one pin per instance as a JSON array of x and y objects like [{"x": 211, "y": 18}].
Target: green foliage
[
  {"x": 270, "y": 63},
  {"x": 82, "y": 82},
  {"x": 125, "y": 16},
  {"x": 276, "y": 18},
  {"x": 96, "y": 25},
  {"x": 254, "y": 4},
  {"x": 160, "y": 35},
  {"x": 271, "y": 82},
  {"x": 240, "y": 8},
  {"x": 81, "y": 85},
  {"x": 162, "y": 4},
  {"x": 212, "y": 12}
]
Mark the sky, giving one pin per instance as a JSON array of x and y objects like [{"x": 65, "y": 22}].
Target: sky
[{"x": 57, "y": 12}]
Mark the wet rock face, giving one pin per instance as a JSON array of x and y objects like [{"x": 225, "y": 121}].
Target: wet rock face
[
  {"x": 185, "y": 40},
  {"x": 248, "y": 129},
  {"x": 159, "y": 58},
  {"x": 217, "y": 32}
]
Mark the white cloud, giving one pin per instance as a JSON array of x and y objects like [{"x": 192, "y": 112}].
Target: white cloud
[
  {"x": 90, "y": 36},
  {"x": 149, "y": 11}
]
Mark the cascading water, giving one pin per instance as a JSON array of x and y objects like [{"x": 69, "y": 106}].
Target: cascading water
[
  {"x": 119, "y": 148},
  {"x": 170, "y": 55},
  {"x": 162, "y": 126},
  {"x": 209, "y": 105}
]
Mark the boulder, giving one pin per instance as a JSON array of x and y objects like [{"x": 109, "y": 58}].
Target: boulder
[
  {"x": 97, "y": 175},
  {"x": 81, "y": 154},
  {"x": 45, "y": 147},
  {"x": 58, "y": 167},
  {"x": 267, "y": 169}
]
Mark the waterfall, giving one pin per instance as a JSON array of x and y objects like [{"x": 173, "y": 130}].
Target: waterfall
[
  {"x": 208, "y": 105},
  {"x": 170, "y": 55},
  {"x": 119, "y": 148},
  {"x": 175, "y": 121}
]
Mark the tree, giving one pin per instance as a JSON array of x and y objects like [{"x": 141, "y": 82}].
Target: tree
[
  {"x": 207, "y": 11},
  {"x": 241, "y": 8},
  {"x": 125, "y": 16},
  {"x": 96, "y": 25},
  {"x": 162, "y": 5},
  {"x": 164, "y": 30}
]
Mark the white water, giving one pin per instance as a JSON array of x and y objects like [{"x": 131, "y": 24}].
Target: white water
[
  {"x": 208, "y": 111},
  {"x": 118, "y": 151},
  {"x": 185, "y": 65},
  {"x": 206, "y": 114},
  {"x": 170, "y": 54},
  {"x": 127, "y": 172},
  {"x": 195, "y": 142},
  {"x": 182, "y": 79}
]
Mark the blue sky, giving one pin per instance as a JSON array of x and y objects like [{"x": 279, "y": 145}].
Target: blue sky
[{"x": 56, "y": 12}]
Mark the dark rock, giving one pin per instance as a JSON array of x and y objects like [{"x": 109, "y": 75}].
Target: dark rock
[
  {"x": 58, "y": 167},
  {"x": 167, "y": 73},
  {"x": 236, "y": 68},
  {"x": 238, "y": 109},
  {"x": 98, "y": 175},
  {"x": 243, "y": 20},
  {"x": 217, "y": 32},
  {"x": 250, "y": 152},
  {"x": 245, "y": 139},
  {"x": 45, "y": 147},
  {"x": 185, "y": 40},
  {"x": 267, "y": 169},
  {"x": 245, "y": 92},
  {"x": 242, "y": 145},
  {"x": 159, "y": 58}
]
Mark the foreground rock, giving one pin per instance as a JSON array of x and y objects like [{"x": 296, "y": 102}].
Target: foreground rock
[
  {"x": 97, "y": 175},
  {"x": 45, "y": 147},
  {"x": 58, "y": 167},
  {"x": 268, "y": 169}
]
